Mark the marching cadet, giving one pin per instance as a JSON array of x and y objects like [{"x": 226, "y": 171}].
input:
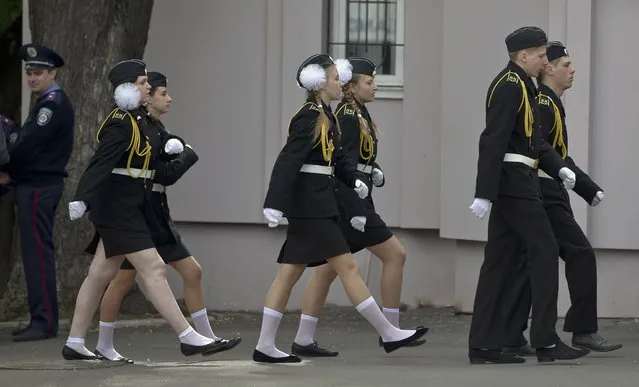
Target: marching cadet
[
  {"x": 362, "y": 227},
  {"x": 166, "y": 238},
  {"x": 574, "y": 247},
  {"x": 301, "y": 188},
  {"x": 510, "y": 149},
  {"x": 38, "y": 168},
  {"x": 115, "y": 188}
]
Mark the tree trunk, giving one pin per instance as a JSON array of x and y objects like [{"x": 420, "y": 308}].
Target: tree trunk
[{"x": 91, "y": 36}]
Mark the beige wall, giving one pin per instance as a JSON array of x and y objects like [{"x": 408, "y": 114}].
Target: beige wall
[{"x": 231, "y": 68}]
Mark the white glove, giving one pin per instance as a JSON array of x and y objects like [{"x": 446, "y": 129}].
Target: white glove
[
  {"x": 77, "y": 209},
  {"x": 568, "y": 177},
  {"x": 274, "y": 217},
  {"x": 358, "y": 223},
  {"x": 597, "y": 199},
  {"x": 361, "y": 188},
  {"x": 378, "y": 177},
  {"x": 480, "y": 207},
  {"x": 173, "y": 147}
]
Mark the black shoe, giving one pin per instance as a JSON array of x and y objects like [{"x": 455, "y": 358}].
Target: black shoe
[
  {"x": 416, "y": 343},
  {"x": 122, "y": 359},
  {"x": 594, "y": 342},
  {"x": 190, "y": 350},
  {"x": 33, "y": 334},
  {"x": 312, "y": 350},
  {"x": 19, "y": 331},
  {"x": 484, "y": 356},
  {"x": 260, "y": 357},
  {"x": 522, "y": 350},
  {"x": 227, "y": 344},
  {"x": 560, "y": 351},
  {"x": 391, "y": 346},
  {"x": 69, "y": 353}
]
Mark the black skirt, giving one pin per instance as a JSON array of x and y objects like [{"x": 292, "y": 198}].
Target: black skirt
[
  {"x": 372, "y": 235},
  {"x": 311, "y": 242},
  {"x": 118, "y": 242},
  {"x": 169, "y": 253}
]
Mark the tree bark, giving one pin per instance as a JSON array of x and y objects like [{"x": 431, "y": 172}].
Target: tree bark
[{"x": 91, "y": 36}]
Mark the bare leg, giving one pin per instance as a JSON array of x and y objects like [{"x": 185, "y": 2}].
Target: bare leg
[
  {"x": 276, "y": 300},
  {"x": 109, "y": 309},
  {"x": 393, "y": 257},
  {"x": 101, "y": 271}
]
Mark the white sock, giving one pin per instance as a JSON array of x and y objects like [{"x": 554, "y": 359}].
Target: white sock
[
  {"x": 77, "y": 344},
  {"x": 191, "y": 337},
  {"x": 306, "y": 330},
  {"x": 371, "y": 312},
  {"x": 203, "y": 325},
  {"x": 105, "y": 341},
  {"x": 392, "y": 315},
  {"x": 266, "y": 343}
]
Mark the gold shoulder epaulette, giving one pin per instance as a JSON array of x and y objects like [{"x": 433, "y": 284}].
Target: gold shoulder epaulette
[
  {"x": 119, "y": 114},
  {"x": 543, "y": 99},
  {"x": 512, "y": 77}
]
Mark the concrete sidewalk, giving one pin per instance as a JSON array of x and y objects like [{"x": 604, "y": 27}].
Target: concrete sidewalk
[{"x": 441, "y": 362}]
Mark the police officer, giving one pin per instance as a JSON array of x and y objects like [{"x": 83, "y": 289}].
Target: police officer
[
  {"x": 510, "y": 149},
  {"x": 574, "y": 247},
  {"x": 37, "y": 167}
]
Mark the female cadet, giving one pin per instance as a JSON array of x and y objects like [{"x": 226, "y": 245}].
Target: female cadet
[
  {"x": 361, "y": 225},
  {"x": 167, "y": 240},
  {"x": 115, "y": 188},
  {"x": 301, "y": 188}
]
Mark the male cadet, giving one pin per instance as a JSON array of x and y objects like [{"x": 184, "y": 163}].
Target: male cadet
[
  {"x": 37, "y": 167},
  {"x": 510, "y": 149},
  {"x": 574, "y": 248}
]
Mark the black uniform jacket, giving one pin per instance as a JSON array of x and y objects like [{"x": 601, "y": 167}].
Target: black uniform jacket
[
  {"x": 553, "y": 128},
  {"x": 308, "y": 195},
  {"x": 113, "y": 198},
  {"x": 352, "y": 141},
  {"x": 167, "y": 173},
  {"x": 505, "y": 133}
]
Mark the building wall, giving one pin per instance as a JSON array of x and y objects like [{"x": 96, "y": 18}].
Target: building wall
[{"x": 231, "y": 68}]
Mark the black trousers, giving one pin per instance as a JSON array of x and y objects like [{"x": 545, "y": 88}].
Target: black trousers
[
  {"x": 515, "y": 223},
  {"x": 581, "y": 276},
  {"x": 36, "y": 208}
]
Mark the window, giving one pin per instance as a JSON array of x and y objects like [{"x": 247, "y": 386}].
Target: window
[{"x": 373, "y": 29}]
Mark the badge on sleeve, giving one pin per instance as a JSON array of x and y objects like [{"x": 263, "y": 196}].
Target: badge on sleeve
[{"x": 44, "y": 116}]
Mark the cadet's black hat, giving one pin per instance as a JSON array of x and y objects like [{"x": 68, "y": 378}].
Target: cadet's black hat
[
  {"x": 39, "y": 56},
  {"x": 556, "y": 50},
  {"x": 127, "y": 71},
  {"x": 311, "y": 74},
  {"x": 157, "y": 79},
  {"x": 525, "y": 37},
  {"x": 363, "y": 66}
]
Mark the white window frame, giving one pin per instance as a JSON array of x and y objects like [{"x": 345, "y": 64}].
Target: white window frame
[{"x": 388, "y": 86}]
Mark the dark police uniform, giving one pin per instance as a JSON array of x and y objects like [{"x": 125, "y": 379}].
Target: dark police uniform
[
  {"x": 510, "y": 150},
  {"x": 362, "y": 149},
  {"x": 303, "y": 181},
  {"x": 37, "y": 167},
  {"x": 574, "y": 247}
]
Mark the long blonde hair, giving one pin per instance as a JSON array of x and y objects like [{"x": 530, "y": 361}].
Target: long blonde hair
[{"x": 366, "y": 141}]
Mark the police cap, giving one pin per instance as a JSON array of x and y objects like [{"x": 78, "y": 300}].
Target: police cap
[{"x": 39, "y": 56}]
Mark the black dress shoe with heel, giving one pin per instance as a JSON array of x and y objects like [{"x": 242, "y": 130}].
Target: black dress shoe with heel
[
  {"x": 208, "y": 349},
  {"x": 594, "y": 342},
  {"x": 260, "y": 357},
  {"x": 69, "y": 353},
  {"x": 485, "y": 356},
  {"x": 521, "y": 350},
  {"x": 312, "y": 350},
  {"x": 391, "y": 346},
  {"x": 561, "y": 351}
]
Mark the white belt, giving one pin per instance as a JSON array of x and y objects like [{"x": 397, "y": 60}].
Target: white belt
[
  {"x": 517, "y": 158},
  {"x": 543, "y": 174},
  {"x": 134, "y": 171},
  {"x": 317, "y": 169},
  {"x": 159, "y": 188},
  {"x": 365, "y": 168}
]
